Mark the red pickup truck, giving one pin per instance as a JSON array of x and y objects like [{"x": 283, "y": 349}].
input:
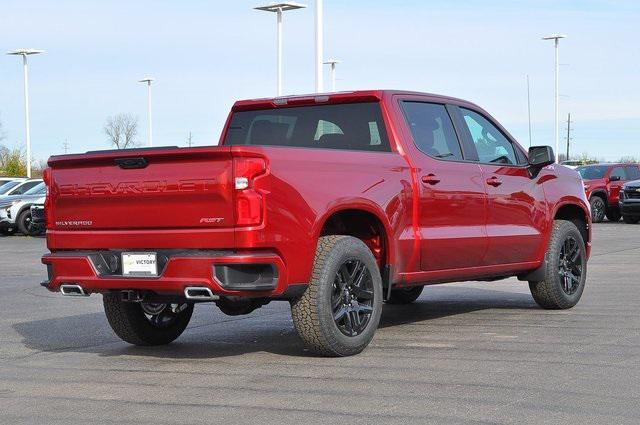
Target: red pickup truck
[
  {"x": 602, "y": 184},
  {"x": 335, "y": 203}
]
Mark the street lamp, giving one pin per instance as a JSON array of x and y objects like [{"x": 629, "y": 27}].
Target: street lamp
[
  {"x": 278, "y": 8},
  {"x": 332, "y": 63},
  {"x": 319, "y": 45},
  {"x": 148, "y": 80},
  {"x": 556, "y": 39},
  {"x": 24, "y": 53}
]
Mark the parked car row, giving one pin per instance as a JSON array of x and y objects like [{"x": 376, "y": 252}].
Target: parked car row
[
  {"x": 17, "y": 196},
  {"x": 612, "y": 191}
]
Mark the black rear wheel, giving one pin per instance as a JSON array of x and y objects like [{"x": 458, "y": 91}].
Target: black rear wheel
[
  {"x": 339, "y": 312},
  {"x": 630, "y": 219},
  {"x": 598, "y": 209},
  {"x": 146, "y": 323}
]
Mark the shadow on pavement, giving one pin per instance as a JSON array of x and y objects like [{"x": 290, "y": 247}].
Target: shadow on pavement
[{"x": 214, "y": 335}]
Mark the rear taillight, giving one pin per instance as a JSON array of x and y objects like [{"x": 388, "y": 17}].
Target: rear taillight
[
  {"x": 48, "y": 210},
  {"x": 249, "y": 201}
]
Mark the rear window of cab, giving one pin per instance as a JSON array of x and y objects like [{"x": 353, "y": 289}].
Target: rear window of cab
[{"x": 349, "y": 126}]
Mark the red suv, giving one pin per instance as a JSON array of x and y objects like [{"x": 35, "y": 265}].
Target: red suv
[
  {"x": 334, "y": 203},
  {"x": 602, "y": 183}
]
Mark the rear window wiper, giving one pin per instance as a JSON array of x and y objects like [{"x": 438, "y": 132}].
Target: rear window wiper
[{"x": 444, "y": 155}]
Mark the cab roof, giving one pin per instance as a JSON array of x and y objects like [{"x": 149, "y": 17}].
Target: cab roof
[{"x": 336, "y": 97}]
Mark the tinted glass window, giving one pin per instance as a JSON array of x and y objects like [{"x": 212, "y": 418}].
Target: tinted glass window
[
  {"x": 39, "y": 189},
  {"x": 491, "y": 144},
  {"x": 432, "y": 130},
  {"x": 592, "y": 172},
  {"x": 633, "y": 173},
  {"x": 25, "y": 187},
  {"x": 355, "y": 126},
  {"x": 7, "y": 187},
  {"x": 618, "y": 172}
]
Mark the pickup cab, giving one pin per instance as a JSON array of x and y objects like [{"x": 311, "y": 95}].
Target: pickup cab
[{"x": 336, "y": 203}]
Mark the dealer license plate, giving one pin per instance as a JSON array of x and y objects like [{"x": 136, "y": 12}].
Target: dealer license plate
[{"x": 139, "y": 264}]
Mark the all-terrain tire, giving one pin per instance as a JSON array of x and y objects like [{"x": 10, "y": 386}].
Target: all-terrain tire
[
  {"x": 613, "y": 214},
  {"x": 405, "y": 295},
  {"x": 630, "y": 219},
  {"x": 549, "y": 293},
  {"x": 312, "y": 313},
  {"x": 598, "y": 209},
  {"x": 128, "y": 321}
]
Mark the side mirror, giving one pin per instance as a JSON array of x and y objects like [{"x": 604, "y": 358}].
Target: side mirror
[
  {"x": 541, "y": 156},
  {"x": 614, "y": 178}
]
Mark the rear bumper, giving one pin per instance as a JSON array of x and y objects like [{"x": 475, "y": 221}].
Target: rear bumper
[{"x": 225, "y": 273}]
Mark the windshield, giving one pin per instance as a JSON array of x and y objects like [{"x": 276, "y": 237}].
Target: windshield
[
  {"x": 39, "y": 189},
  {"x": 8, "y": 186},
  {"x": 592, "y": 172}
]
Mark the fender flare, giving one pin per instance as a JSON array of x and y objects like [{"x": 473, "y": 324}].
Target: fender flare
[
  {"x": 599, "y": 191},
  {"x": 361, "y": 204}
]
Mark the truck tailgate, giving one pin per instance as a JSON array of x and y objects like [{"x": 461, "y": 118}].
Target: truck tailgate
[{"x": 161, "y": 188}]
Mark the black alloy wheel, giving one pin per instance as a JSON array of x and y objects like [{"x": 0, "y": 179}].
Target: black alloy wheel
[
  {"x": 570, "y": 265},
  {"x": 598, "y": 209},
  {"x": 352, "y": 297}
]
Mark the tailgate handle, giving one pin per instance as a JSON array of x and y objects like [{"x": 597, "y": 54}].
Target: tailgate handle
[{"x": 131, "y": 163}]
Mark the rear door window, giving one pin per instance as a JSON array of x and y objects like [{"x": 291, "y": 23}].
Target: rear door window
[
  {"x": 24, "y": 187},
  {"x": 351, "y": 126},
  {"x": 432, "y": 130}
]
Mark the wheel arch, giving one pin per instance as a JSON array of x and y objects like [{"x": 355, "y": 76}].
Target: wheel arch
[
  {"x": 363, "y": 220},
  {"x": 601, "y": 193},
  {"x": 578, "y": 215}
]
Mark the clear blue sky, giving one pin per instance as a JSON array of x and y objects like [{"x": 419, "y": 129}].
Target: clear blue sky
[{"x": 206, "y": 54}]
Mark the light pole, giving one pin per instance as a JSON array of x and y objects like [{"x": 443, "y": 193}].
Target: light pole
[
  {"x": 529, "y": 108},
  {"x": 278, "y": 8},
  {"x": 148, "y": 80},
  {"x": 332, "y": 63},
  {"x": 319, "y": 44},
  {"x": 556, "y": 38},
  {"x": 24, "y": 53}
]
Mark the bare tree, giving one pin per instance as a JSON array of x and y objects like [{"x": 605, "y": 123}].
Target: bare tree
[
  {"x": 121, "y": 130},
  {"x": 629, "y": 159}
]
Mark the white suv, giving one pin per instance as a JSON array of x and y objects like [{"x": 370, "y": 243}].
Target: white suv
[
  {"x": 17, "y": 187},
  {"x": 15, "y": 211}
]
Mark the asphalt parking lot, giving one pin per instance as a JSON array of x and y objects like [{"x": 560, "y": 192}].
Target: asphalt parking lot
[{"x": 464, "y": 353}]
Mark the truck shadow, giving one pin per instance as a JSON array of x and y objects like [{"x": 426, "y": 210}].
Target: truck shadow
[{"x": 214, "y": 335}]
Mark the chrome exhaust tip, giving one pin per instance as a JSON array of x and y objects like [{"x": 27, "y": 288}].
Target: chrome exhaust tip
[
  {"x": 73, "y": 291},
  {"x": 199, "y": 293}
]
